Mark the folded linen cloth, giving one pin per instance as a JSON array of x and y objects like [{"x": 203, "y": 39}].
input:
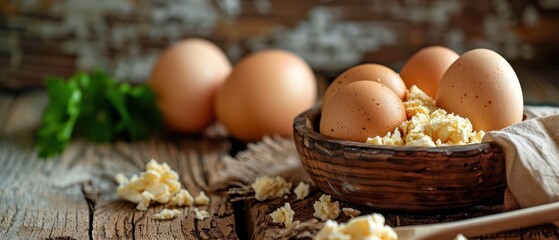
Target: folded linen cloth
[{"x": 532, "y": 157}]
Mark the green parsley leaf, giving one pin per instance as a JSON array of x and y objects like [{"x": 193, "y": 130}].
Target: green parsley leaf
[{"x": 96, "y": 107}]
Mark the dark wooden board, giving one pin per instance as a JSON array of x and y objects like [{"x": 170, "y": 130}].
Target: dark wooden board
[
  {"x": 73, "y": 196},
  {"x": 261, "y": 226}
]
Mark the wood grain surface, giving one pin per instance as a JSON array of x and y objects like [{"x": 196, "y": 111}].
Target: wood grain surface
[
  {"x": 31, "y": 209},
  {"x": 262, "y": 227},
  {"x": 73, "y": 196}
]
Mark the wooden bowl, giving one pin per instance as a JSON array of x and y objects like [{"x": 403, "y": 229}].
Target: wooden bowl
[{"x": 413, "y": 179}]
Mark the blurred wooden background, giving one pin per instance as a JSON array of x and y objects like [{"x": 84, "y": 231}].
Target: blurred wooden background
[{"x": 39, "y": 38}]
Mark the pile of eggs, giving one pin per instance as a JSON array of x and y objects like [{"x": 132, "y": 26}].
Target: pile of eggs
[
  {"x": 366, "y": 100},
  {"x": 196, "y": 85}
]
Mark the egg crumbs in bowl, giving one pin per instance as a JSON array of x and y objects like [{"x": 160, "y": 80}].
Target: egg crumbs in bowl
[
  {"x": 370, "y": 145},
  {"x": 405, "y": 170},
  {"x": 428, "y": 125}
]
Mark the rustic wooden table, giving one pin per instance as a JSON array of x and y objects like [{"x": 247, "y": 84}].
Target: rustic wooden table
[{"x": 73, "y": 196}]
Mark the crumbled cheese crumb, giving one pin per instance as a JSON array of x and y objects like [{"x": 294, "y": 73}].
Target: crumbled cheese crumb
[
  {"x": 121, "y": 179},
  {"x": 460, "y": 237},
  {"x": 202, "y": 199},
  {"x": 330, "y": 231},
  {"x": 392, "y": 139},
  {"x": 158, "y": 183},
  {"x": 364, "y": 227},
  {"x": 201, "y": 214},
  {"x": 428, "y": 126},
  {"x": 270, "y": 188},
  {"x": 145, "y": 201},
  {"x": 326, "y": 209},
  {"x": 351, "y": 212},
  {"x": 418, "y": 101},
  {"x": 301, "y": 191},
  {"x": 283, "y": 215},
  {"x": 182, "y": 198},
  {"x": 167, "y": 214}
]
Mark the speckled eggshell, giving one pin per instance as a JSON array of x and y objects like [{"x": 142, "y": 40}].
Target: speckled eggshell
[
  {"x": 264, "y": 93},
  {"x": 482, "y": 86},
  {"x": 186, "y": 78},
  {"x": 360, "y": 110},
  {"x": 426, "y": 68},
  {"x": 371, "y": 72}
]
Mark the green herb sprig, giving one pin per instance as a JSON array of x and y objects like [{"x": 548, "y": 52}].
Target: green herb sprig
[{"x": 96, "y": 107}]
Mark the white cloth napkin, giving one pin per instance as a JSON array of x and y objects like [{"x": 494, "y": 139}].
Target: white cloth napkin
[{"x": 532, "y": 156}]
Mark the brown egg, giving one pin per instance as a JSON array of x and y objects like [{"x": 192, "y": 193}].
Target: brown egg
[
  {"x": 482, "y": 86},
  {"x": 360, "y": 110},
  {"x": 264, "y": 93},
  {"x": 426, "y": 68},
  {"x": 372, "y": 72},
  {"x": 185, "y": 79}
]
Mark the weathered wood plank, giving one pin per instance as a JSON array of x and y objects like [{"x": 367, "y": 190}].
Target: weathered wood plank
[
  {"x": 118, "y": 219},
  {"x": 6, "y": 100},
  {"x": 33, "y": 204},
  {"x": 261, "y": 226},
  {"x": 74, "y": 195},
  {"x": 59, "y": 204}
]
